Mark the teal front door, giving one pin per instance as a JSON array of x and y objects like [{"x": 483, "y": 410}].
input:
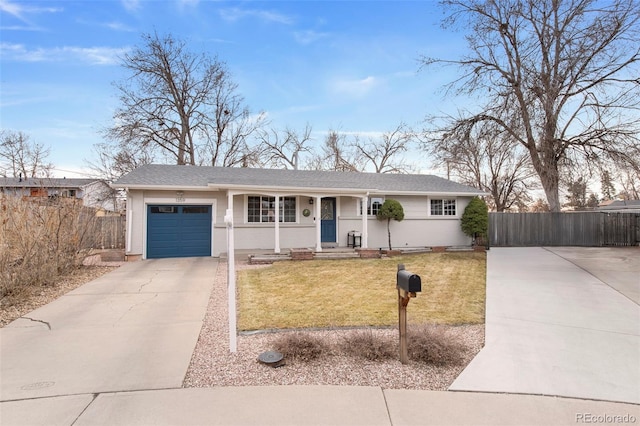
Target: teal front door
[{"x": 328, "y": 220}]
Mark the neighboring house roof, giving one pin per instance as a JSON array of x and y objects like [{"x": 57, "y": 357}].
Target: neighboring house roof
[
  {"x": 619, "y": 205},
  {"x": 194, "y": 177},
  {"x": 44, "y": 182}
]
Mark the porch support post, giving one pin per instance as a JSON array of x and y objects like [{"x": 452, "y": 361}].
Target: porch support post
[
  {"x": 231, "y": 275},
  {"x": 318, "y": 224},
  {"x": 365, "y": 222},
  {"x": 277, "y": 227}
]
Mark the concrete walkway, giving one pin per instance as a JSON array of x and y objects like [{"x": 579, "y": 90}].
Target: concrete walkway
[
  {"x": 115, "y": 351},
  {"x": 553, "y": 328}
]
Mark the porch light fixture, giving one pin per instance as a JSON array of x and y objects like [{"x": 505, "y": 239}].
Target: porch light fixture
[{"x": 310, "y": 200}]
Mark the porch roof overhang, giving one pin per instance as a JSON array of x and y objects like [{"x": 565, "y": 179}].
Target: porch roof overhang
[{"x": 247, "y": 189}]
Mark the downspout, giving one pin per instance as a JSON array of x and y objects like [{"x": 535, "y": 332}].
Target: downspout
[{"x": 231, "y": 276}]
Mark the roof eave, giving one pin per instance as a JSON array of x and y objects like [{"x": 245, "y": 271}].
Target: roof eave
[
  {"x": 159, "y": 187},
  {"x": 289, "y": 189}
]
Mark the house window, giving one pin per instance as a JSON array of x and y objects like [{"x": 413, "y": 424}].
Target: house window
[
  {"x": 263, "y": 209},
  {"x": 373, "y": 205},
  {"x": 443, "y": 207}
]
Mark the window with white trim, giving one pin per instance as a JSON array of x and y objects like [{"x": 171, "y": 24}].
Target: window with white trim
[
  {"x": 263, "y": 209},
  {"x": 373, "y": 205},
  {"x": 443, "y": 207}
]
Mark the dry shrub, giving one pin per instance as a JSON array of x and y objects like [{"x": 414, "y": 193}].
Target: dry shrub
[
  {"x": 434, "y": 344},
  {"x": 39, "y": 240},
  {"x": 301, "y": 346},
  {"x": 368, "y": 345}
]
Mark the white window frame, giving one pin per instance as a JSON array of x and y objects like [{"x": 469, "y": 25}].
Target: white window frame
[
  {"x": 370, "y": 202},
  {"x": 281, "y": 209},
  {"x": 444, "y": 213}
]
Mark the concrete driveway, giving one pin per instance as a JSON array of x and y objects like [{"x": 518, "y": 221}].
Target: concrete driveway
[
  {"x": 132, "y": 329},
  {"x": 560, "y": 321}
]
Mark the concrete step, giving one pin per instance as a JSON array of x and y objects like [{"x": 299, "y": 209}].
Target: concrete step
[{"x": 336, "y": 255}]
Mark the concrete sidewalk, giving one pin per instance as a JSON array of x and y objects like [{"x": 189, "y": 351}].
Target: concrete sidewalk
[
  {"x": 553, "y": 328},
  {"x": 311, "y": 405}
]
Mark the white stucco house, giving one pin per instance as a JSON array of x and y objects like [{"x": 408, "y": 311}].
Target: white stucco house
[{"x": 177, "y": 211}]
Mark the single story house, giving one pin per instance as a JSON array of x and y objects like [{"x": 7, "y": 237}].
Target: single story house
[
  {"x": 177, "y": 211},
  {"x": 93, "y": 193},
  {"x": 619, "y": 206}
]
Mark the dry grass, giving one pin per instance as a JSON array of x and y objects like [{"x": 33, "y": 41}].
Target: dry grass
[{"x": 361, "y": 292}]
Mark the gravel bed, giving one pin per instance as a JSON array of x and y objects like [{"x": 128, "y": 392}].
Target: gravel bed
[{"x": 213, "y": 365}]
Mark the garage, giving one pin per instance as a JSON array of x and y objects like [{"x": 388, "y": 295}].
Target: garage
[{"x": 178, "y": 231}]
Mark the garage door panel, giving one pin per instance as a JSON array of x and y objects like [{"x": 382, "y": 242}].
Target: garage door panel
[{"x": 178, "y": 231}]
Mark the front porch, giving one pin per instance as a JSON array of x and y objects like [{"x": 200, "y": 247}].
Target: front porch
[{"x": 262, "y": 257}]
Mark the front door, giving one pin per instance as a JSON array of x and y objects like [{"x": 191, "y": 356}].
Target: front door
[{"x": 328, "y": 220}]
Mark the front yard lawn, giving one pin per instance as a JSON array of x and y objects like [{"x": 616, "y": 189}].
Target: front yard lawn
[{"x": 362, "y": 292}]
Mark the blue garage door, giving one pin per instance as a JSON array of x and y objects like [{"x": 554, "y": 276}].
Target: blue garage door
[{"x": 178, "y": 231}]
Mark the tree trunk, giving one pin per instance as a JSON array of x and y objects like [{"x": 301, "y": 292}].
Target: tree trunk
[
  {"x": 545, "y": 163},
  {"x": 389, "y": 232}
]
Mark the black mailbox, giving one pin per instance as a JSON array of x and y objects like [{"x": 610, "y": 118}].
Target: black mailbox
[{"x": 408, "y": 281}]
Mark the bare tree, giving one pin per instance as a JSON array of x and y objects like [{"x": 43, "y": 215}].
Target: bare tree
[
  {"x": 384, "y": 153},
  {"x": 114, "y": 160},
  {"x": 19, "y": 156},
  {"x": 227, "y": 140},
  {"x": 560, "y": 76},
  {"x": 181, "y": 102},
  {"x": 485, "y": 157},
  {"x": 630, "y": 182},
  {"x": 282, "y": 150},
  {"x": 335, "y": 155}
]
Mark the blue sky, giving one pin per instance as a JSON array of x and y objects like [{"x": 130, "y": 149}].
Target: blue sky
[{"x": 346, "y": 65}]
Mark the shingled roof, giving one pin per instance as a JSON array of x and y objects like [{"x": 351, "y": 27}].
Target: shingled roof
[
  {"x": 192, "y": 177},
  {"x": 44, "y": 182}
]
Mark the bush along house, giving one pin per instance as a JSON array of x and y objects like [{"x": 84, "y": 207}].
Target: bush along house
[{"x": 179, "y": 211}]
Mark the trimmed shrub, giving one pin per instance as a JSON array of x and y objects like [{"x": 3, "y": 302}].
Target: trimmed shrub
[
  {"x": 391, "y": 209},
  {"x": 475, "y": 219}
]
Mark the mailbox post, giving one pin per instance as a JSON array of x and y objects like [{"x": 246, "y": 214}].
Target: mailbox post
[{"x": 408, "y": 285}]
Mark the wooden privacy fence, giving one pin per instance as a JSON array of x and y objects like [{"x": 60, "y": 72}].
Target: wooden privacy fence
[
  {"x": 105, "y": 232},
  {"x": 593, "y": 229}
]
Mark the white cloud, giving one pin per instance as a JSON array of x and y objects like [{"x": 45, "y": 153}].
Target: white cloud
[
  {"x": 131, "y": 5},
  {"x": 355, "y": 88},
  {"x": 118, "y": 26},
  {"x": 188, "y": 3},
  {"x": 91, "y": 55},
  {"x": 20, "y": 12},
  {"x": 235, "y": 14},
  {"x": 309, "y": 36}
]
